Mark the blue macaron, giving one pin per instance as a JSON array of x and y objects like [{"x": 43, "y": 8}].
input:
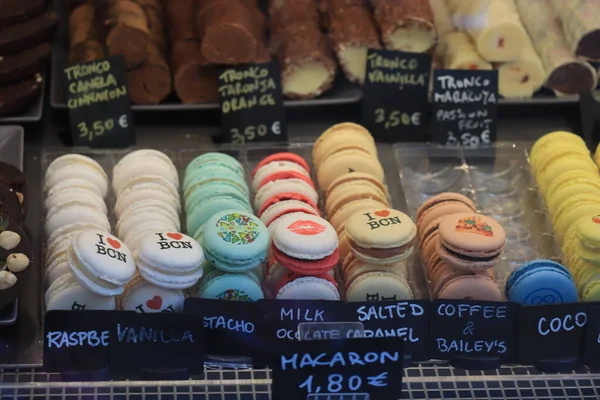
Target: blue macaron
[
  {"x": 203, "y": 210},
  {"x": 213, "y": 158},
  {"x": 224, "y": 286},
  {"x": 213, "y": 189},
  {"x": 235, "y": 241},
  {"x": 209, "y": 173},
  {"x": 540, "y": 282}
]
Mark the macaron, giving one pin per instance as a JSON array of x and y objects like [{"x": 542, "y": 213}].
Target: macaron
[
  {"x": 143, "y": 212},
  {"x": 73, "y": 213},
  {"x": 541, "y": 282},
  {"x": 429, "y": 239},
  {"x": 281, "y": 208},
  {"x": 57, "y": 268},
  {"x": 378, "y": 286},
  {"x": 170, "y": 260},
  {"x": 342, "y": 214},
  {"x": 80, "y": 196},
  {"x": 209, "y": 173},
  {"x": 355, "y": 177},
  {"x": 143, "y": 297},
  {"x": 344, "y": 245},
  {"x": 146, "y": 191},
  {"x": 74, "y": 183},
  {"x": 588, "y": 233},
  {"x": 440, "y": 205},
  {"x": 76, "y": 166},
  {"x": 214, "y": 158},
  {"x": 566, "y": 191},
  {"x": 216, "y": 188},
  {"x": 203, "y": 210},
  {"x": 470, "y": 241},
  {"x": 70, "y": 230},
  {"x": 381, "y": 235},
  {"x": 100, "y": 262},
  {"x": 350, "y": 191},
  {"x": 348, "y": 161},
  {"x": 554, "y": 153},
  {"x": 553, "y": 139},
  {"x": 478, "y": 287},
  {"x": 574, "y": 162},
  {"x": 273, "y": 200},
  {"x": 297, "y": 287},
  {"x": 235, "y": 241},
  {"x": 66, "y": 293},
  {"x": 342, "y": 136},
  {"x": 285, "y": 182},
  {"x": 144, "y": 162},
  {"x": 274, "y": 165},
  {"x": 225, "y": 286},
  {"x": 139, "y": 182},
  {"x": 572, "y": 209}
]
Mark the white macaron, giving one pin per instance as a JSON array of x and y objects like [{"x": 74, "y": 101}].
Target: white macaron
[
  {"x": 76, "y": 166},
  {"x": 144, "y": 162},
  {"x": 66, "y": 293}
]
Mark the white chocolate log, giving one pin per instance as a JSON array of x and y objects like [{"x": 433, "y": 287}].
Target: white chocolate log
[
  {"x": 521, "y": 78},
  {"x": 494, "y": 26},
  {"x": 455, "y": 48},
  {"x": 567, "y": 74},
  {"x": 581, "y": 22}
]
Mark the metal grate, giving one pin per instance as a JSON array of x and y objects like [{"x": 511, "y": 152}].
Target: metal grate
[{"x": 426, "y": 381}]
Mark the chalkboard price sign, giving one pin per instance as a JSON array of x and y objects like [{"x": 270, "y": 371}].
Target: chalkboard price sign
[
  {"x": 361, "y": 367},
  {"x": 395, "y": 95},
  {"x": 252, "y": 104},
  {"x": 474, "y": 334},
  {"x": 464, "y": 107},
  {"x": 98, "y": 103}
]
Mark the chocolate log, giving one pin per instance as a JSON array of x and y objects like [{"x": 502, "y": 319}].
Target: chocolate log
[
  {"x": 455, "y": 48},
  {"x": 582, "y": 26},
  {"x": 194, "y": 80},
  {"x": 25, "y": 63},
  {"x": 567, "y": 74},
  {"x": 405, "y": 25},
  {"x": 150, "y": 82},
  {"x": 27, "y": 34},
  {"x": 126, "y": 30},
  {"x": 17, "y": 96},
  {"x": 85, "y": 42},
  {"x": 225, "y": 29},
  {"x": 494, "y": 26},
  {"x": 352, "y": 32},
  {"x": 180, "y": 17},
  {"x": 15, "y": 11}
]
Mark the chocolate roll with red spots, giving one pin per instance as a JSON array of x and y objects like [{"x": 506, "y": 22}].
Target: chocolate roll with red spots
[
  {"x": 352, "y": 32},
  {"x": 405, "y": 25}
]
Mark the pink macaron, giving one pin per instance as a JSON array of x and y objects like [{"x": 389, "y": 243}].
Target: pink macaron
[
  {"x": 441, "y": 205},
  {"x": 285, "y": 182}
]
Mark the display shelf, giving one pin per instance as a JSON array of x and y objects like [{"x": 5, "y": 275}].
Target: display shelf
[{"x": 426, "y": 381}]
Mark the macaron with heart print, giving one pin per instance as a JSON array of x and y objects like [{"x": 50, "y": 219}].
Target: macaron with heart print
[
  {"x": 170, "y": 260},
  {"x": 235, "y": 241},
  {"x": 100, "y": 262},
  {"x": 381, "y": 236},
  {"x": 143, "y": 297},
  {"x": 305, "y": 244}
]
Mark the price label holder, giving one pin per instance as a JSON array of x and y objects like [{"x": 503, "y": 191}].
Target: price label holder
[
  {"x": 280, "y": 320},
  {"x": 589, "y": 108},
  {"x": 231, "y": 331},
  {"x": 98, "y": 103},
  {"x": 407, "y": 320},
  {"x": 395, "y": 102},
  {"x": 77, "y": 344},
  {"x": 551, "y": 337},
  {"x": 339, "y": 369},
  {"x": 157, "y": 345},
  {"x": 591, "y": 353},
  {"x": 251, "y": 103},
  {"x": 465, "y": 105},
  {"x": 474, "y": 334}
]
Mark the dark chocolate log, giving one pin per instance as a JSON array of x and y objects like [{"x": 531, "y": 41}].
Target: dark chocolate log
[
  {"x": 352, "y": 32},
  {"x": 27, "y": 34},
  {"x": 259, "y": 29},
  {"x": 17, "y": 96},
  {"x": 225, "y": 29},
  {"x": 286, "y": 15},
  {"x": 150, "y": 82},
  {"x": 25, "y": 63},
  {"x": 85, "y": 42},
  {"x": 396, "y": 17},
  {"x": 126, "y": 30},
  {"x": 15, "y": 11},
  {"x": 194, "y": 80},
  {"x": 180, "y": 17}
]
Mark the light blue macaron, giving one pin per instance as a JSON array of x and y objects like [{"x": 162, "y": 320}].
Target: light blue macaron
[
  {"x": 540, "y": 282},
  {"x": 201, "y": 211},
  {"x": 235, "y": 241},
  {"x": 221, "y": 159},
  {"x": 210, "y": 189},
  {"x": 212, "y": 173},
  {"x": 224, "y": 286}
]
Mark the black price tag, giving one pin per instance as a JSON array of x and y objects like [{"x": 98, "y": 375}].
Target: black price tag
[
  {"x": 395, "y": 102},
  {"x": 551, "y": 337},
  {"x": 77, "y": 341},
  {"x": 252, "y": 104},
  {"x": 474, "y": 334},
  {"x": 156, "y": 341},
  {"x": 340, "y": 369},
  {"x": 408, "y": 320},
  {"x": 230, "y": 327},
  {"x": 591, "y": 350},
  {"x": 465, "y": 105},
  {"x": 589, "y": 108},
  {"x": 98, "y": 102}
]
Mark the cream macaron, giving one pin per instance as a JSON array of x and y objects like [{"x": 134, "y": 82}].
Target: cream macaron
[
  {"x": 76, "y": 166},
  {"x": 144, "y": 162}
]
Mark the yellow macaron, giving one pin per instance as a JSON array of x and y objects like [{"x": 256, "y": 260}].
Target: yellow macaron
[
  {"x": 554, "y": 138},
  {"x": 350, "y": 191},
  {"x": 342, "y": 136},
  {"x": 572, "y": 210},
  {"x": 552, "y": 153},
  {"x": 567, "y": 191},
  {"x": 572, "y": 162},
  {"x": 590, "y": 288}
]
